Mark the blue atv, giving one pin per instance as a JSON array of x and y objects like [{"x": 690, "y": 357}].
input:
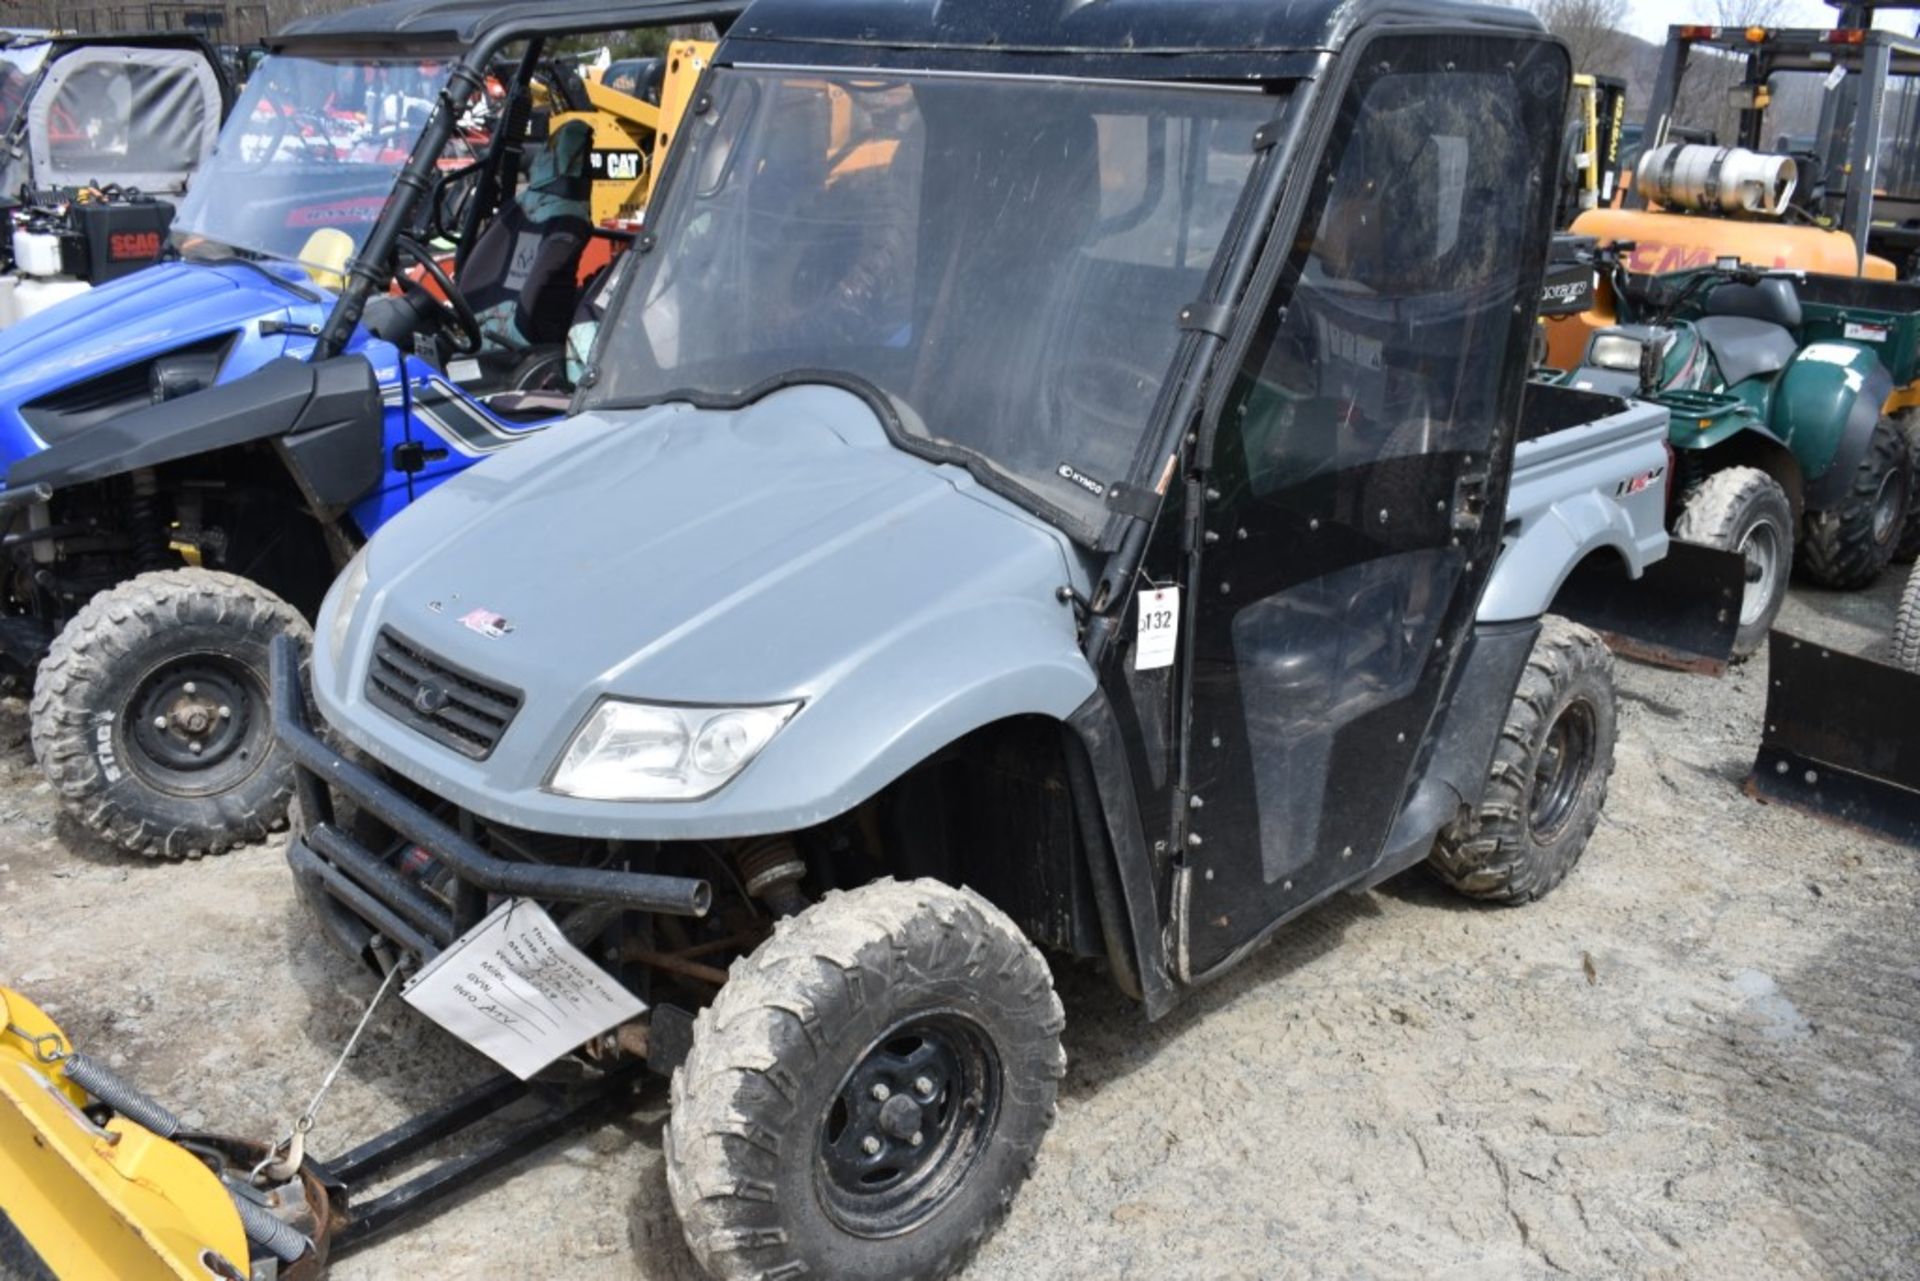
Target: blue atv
[{"x": 371, "y": 287}]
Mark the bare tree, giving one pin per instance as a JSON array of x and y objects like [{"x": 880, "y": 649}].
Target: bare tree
[{"x": 1595, "y": 32}]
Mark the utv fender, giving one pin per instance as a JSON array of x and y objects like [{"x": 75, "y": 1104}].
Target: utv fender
[
  {"x": 1115, "y": 846},
  {"x": 1824, "y": 409},
  {"x": 891, "y": 707},
  {"x": 329, "y": 414},
  {"x": 1533, "y": 568}
]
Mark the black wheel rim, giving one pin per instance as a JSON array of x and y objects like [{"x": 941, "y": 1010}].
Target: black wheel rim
[
  {"x": 934, "y": 1078},
  {"x": 1560, "y": 770},
  {"x": 194, "y": 726}
]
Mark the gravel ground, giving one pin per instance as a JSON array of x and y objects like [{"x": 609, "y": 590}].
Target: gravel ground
[{"x": 1695, "y": 1059}]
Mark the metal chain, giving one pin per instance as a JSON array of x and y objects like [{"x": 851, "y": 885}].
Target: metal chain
[{"x": 285, "y": 1156}]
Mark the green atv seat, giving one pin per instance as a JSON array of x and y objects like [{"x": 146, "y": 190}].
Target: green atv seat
[
  {"x": 1774, "y": 300},
  {"x": 1748, "y": 327},
  {"x": 1745, "y": 348}
]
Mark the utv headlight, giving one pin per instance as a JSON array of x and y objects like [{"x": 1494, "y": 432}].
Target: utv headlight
[
  {"x": 645, "y": 752},
  {"x": 1616, "y": 351},
  {"x": 346, "y": 602}
]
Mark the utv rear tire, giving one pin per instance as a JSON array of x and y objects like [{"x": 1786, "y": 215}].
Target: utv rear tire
[
  {"x": 1906, "y": 626},
  {"x": 1549, "y": 776},
  {"x": 1909, "y": 548},
  {"x": 180, "y": 646},
  {"x": 901, "y": 985},
  {"x": 1848, "y": 545},
  {"x": 1744, "y": 510}
]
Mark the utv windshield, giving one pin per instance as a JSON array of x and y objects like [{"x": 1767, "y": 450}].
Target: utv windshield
[
  {"x": 313, "y": 144},
  {"x": 1004, "y": 259}
]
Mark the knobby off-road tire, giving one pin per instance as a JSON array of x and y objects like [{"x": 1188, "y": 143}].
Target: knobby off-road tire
[
  {"x": 1848, "y": 545},
  {"x": 1906, "y": 626},
  {"x": 187, "y": 647},
  {"x": 1549, "y": 776},
  {"x": 785, "y": 1154},
  {"x": 1744, "y": 510},
  {"x": 1909, "y": 547}
]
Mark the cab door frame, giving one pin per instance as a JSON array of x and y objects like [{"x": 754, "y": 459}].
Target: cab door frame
[{"x": 1215, "y": 866}]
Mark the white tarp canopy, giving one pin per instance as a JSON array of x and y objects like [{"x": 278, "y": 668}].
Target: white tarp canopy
[{"x": 131, "y": 115}]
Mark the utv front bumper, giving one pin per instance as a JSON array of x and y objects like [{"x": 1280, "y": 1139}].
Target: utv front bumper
[{"x": 468, "y": 879}]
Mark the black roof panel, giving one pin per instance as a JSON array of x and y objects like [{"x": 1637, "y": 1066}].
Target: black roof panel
[
  {"x": 465, "y": 23},
  {"x": 1107, "y": 27}
]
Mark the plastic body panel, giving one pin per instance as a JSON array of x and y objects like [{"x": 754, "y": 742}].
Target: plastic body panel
[
  {"x": 786, "y": 551},
  {"x": 1597, "y": 487},
  {"x": 177, "y": 305}
]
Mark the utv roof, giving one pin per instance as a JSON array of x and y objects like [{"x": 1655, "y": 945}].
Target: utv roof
[
  {"x": 1136, "y": 39},
  {"x": 1104, "y": 26},
  {"x": 464, "y": 24}
]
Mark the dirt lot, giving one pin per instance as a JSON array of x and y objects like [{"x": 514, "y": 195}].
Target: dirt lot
[{"x": 1696, "y": 1059}]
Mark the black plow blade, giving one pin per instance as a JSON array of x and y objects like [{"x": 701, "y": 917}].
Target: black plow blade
[
  {"x": 1841, "y": 739},
  {"x": 1683, "y": 612}
]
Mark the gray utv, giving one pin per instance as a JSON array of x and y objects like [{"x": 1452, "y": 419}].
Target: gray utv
[{"x": 1032, "y": 492}]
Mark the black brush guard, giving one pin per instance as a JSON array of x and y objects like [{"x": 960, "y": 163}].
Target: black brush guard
[
  {"x": 401, "y": 910},
  {"x": 1841, "y": 739},
  {"x": 422, "y": 924}
]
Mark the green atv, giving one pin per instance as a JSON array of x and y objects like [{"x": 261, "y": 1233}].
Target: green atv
[{"x": 1775, "y": 381}]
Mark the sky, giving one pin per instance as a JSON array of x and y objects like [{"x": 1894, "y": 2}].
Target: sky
[{"x": 1649, "y": 19}]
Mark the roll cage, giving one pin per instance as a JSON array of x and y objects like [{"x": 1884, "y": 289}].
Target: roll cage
[{"x": 475, "y": 34}]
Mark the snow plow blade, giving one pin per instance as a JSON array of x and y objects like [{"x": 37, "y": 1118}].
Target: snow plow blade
[
  {"x": 1841, "y": 739},
  {"x": 80, "y": 1198},
  {"x": 1683, "y": 612}
]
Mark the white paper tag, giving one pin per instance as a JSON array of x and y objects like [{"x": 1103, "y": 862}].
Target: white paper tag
[
  {"x": 515, "y": 989},
  {"x": 1866, "y": 333},
  {"x": 1159, "y": 629},
  {"x": 1835, "y": 76}
]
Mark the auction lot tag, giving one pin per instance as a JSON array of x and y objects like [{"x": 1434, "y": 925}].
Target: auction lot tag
[
  {"x": 515, "y": 989},
  {"x": 1159, "y": 629}
]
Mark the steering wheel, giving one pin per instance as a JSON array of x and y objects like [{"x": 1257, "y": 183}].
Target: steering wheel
[
  {"x": 452, "y": 304},
  {"x": 445, "y": 217}
]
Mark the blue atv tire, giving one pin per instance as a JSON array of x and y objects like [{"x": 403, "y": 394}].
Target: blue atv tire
[{"x": 150, "y": 714}]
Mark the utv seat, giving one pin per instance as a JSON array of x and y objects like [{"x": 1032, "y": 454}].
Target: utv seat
[
  {"x": 522, "y": 277},
  {"x": 1748, "y": 327}
]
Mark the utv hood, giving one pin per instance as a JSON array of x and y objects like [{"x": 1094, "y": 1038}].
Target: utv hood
[
  {"x": 786, "y": 551},
  {"x": 151, "y": 312}
]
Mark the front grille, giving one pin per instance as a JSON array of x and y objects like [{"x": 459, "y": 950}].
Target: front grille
[{"x": 448, "y": 705}]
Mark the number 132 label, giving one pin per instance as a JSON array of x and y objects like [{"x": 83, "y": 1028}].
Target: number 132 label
[{"x": 1159, "y": 629}]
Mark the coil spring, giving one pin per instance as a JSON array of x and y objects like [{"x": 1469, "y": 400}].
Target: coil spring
[
  {"x": 100, "y": 1081},
  {"x": 143, "y": 514},
  {"x": 283, "y": 1241}
]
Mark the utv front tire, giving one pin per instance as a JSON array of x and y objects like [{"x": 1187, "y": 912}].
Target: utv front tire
[
  {"x": 1549, "y": 776},
  {"x": 878, "y": 1016},
  {"x": 1848, "y": 545},
  {"x": 1744, "y": 510},
  {"x": 1906, "y": 626},
  {"x": 151, "y": 719}
]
